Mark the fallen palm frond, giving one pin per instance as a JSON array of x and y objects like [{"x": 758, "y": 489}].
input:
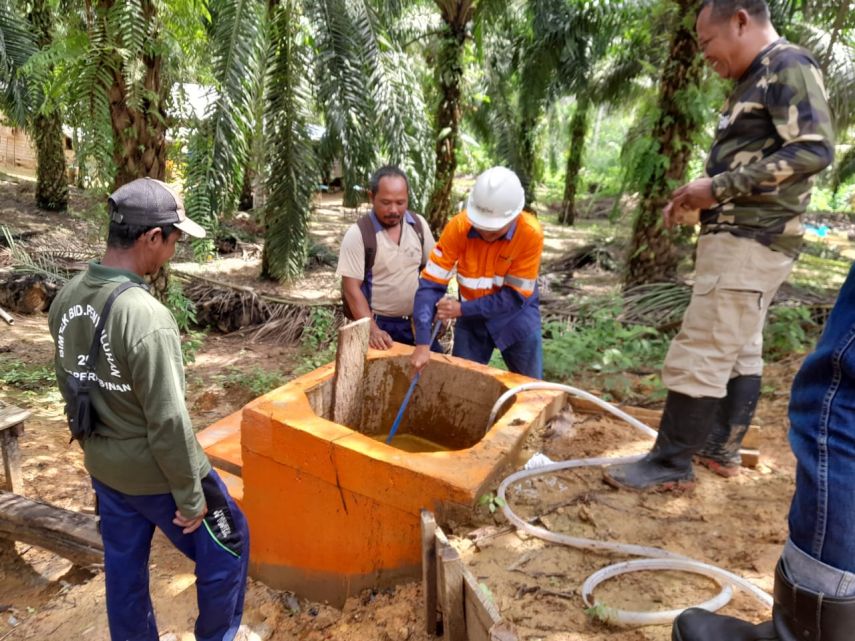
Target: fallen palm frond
[
  {"x": 659, "y": 305},
  {"x": 231, "y": 308},
  {"x": 52, "y": 262}
]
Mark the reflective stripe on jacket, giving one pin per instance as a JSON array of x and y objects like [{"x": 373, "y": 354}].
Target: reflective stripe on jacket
[{"x": 497, "y": 281}]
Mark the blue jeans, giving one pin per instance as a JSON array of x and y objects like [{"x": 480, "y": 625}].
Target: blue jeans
[
  {"x": 473, "y": 342},
  {"x": 220, "y": 548},
  {"x": 821, "y": 551}
]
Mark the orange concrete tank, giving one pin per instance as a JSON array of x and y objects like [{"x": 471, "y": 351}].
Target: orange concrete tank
[{"x": 332, "y": 510}]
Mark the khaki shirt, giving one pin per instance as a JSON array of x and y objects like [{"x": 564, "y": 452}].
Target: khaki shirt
[{"x": 395, "y": 275}]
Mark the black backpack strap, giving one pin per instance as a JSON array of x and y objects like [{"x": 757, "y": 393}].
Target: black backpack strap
[
  {"x": 420, "y": 232},
  {"x": 92, "y": 358},
  {"x": 369, "y": 242}
]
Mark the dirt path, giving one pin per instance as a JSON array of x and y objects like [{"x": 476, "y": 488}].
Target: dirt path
[{"x": 739, "y": 524}]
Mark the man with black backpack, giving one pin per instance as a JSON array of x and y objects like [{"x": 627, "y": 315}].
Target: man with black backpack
[
  {"x": 119, "y": 367},
  {"x": 381, "y": 258}
]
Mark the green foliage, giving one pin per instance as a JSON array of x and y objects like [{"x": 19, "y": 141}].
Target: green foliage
[
  {"x": 26, "y": 376},
  {"x": 184, "y": 311},
  {"x": 600, "y": 343},
  {"x": 292, "y": 164},
  {"x": 257, "y": 380},
  {"x": 491, "y": 502},
  {"x": 789, "y": 330},
  {"x": 318, "y": 340}
]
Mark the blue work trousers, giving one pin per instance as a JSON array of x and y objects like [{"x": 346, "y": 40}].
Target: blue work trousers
[
  {"x": 401, "y": 330},
  {"x": 220, "y": 549},
  {"x": 473, "y": 342},
  {"x": 821, "y": 551}
]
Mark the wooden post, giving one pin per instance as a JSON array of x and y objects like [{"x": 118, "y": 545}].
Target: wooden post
[
  {"x": 451, "y": 595},
  {"x": 429, "y": 570},
  {"x": 11, "y": 427},
  {"x": 349, "y": 371}
]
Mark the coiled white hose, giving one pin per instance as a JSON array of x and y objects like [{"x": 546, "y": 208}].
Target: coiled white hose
[{"x": 655, "y": 558}]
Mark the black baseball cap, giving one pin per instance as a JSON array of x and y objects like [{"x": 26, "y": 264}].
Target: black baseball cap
[{"x": 150, "y": 203}]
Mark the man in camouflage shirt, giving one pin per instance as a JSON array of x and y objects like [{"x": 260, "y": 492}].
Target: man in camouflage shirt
[{"x": 774, "y": 135}]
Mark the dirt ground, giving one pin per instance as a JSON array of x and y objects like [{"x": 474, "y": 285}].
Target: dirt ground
[{"x": 739, "y": 524}]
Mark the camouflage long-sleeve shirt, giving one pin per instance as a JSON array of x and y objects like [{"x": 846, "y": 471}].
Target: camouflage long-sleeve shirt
[{"x": 773, "y": 137}]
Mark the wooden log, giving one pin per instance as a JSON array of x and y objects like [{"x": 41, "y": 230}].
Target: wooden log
[
  {"x": 349, "y": 371},
  {"x": 451, "y": 594},
  {"x": 428, "y": 526},
  {"x": 69, "y": 534}
]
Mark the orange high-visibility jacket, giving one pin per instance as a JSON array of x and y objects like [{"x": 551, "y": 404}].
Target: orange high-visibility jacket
[{"x": 497, "y": 281}]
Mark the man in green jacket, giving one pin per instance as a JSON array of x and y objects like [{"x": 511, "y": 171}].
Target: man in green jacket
[{"x": 147, "y": 467}]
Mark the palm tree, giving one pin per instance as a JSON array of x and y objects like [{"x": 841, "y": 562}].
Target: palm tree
[
  {"x": 24, "y": 101},
  {"x": 673, "y": 126}
]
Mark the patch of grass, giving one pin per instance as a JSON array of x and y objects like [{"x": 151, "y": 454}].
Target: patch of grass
[
  {"x": 318, "y": 341},
  {"x": 257, "y": 380},
  {"x": 26, "y": 377}
]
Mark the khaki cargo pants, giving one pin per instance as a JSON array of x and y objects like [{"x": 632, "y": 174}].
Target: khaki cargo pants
[{"x": 722, "y": 331}]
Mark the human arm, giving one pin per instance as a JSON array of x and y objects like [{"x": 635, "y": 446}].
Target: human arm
[
  {"x": 351, "y": 289},
  {"x": 351, "y": 269},
  {"x": 797, "y": 104},
  {"x": 157, "y": 376}
]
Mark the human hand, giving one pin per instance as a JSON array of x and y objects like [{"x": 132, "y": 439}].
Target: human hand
[
  {"x": 419, "y": 359},
  {"x": 697, "y": 194},
  {"x": 448, "y": 308},
  {"x": 378, "y": 339},
  {"x": 189, "y": 525},
  {"x": 674, "y": 214}
]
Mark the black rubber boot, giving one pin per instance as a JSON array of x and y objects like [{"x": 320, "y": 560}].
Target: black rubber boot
[
  {"x": 685, "y": 425},
  {"x": 798, "y": 615},
  {"x": 720, "y": 453},
  {"x": 696, "y": 624}
]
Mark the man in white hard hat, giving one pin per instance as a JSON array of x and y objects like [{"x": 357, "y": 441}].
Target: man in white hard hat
[{"x": 495, "y": 248}]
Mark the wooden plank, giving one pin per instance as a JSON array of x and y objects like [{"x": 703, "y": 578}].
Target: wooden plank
[
  {"x": 429, "y": 570},
  {"x": 11, "y": 416},
  {"x": 504, "y": 631},
  {"x": 451, "y": 594},
  {"x": 481, "y": 612},
  {"x": 69, "y": 534},
  {"x": 750, "y": 457},
  {"x": 11, "y": 461},
  {"x": 647, "y": 416},
  {"x": 752, "y": 438},
  {"x": 349, "y": 370}
]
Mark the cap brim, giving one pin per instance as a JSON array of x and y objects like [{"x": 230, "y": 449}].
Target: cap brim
[{"x": 190, "y": 228}]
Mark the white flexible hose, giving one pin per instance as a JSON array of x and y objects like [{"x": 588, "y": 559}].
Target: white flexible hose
[{"x": 655, "y": 558}]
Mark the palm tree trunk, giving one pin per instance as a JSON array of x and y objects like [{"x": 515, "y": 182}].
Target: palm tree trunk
[
  {"x": 449, "y": 73},
  {"x": 46, "y": 130},
  {"x": 51, "y": 180},
  {"x": 578, "y": 132},
  {"x": 139, "y": 134},
  {"x": 652, "y": 257}
]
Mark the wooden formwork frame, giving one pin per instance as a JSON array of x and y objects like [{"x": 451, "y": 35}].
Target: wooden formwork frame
[{"x": 452, "y": 594}]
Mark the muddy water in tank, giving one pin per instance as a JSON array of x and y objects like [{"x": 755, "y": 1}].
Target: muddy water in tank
[{"x": 410, "y": 443}]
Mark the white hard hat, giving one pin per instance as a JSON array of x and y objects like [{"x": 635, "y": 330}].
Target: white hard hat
[{"x": 497, "y": 197}]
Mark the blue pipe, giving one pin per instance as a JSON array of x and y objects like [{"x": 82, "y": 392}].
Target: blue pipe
[{"x": 437, "y": 324}]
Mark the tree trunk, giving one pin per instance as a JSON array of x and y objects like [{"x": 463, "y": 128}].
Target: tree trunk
[
  {"x": 652, "y": 257},
  {"x": 139, "y": 132},
  {"x": 51, "y": 179},
  {"x": 528, "y": 157},
  {"x": 449, "y": 73},
  {"x": 46, "y": 130},
  {"x": 578, "y": 132}
]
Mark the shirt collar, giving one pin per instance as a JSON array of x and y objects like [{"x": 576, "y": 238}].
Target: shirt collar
[
  {"x": 103, "y": 272},
  {"x": 473, "y": 233},
  {"x": 408, "y": 217}
]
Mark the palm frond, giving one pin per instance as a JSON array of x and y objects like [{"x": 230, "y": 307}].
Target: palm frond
[
  {"x": 291, "y": 161},
  {"x": 844, "y": 169},
  {"x": 237, "y": 37},
  {"x": 346, "y": 48},
  {"x": 17, "y": 46}
]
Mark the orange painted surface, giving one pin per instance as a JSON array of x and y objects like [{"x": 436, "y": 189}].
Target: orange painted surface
[{"x": 326, "y": 500}]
